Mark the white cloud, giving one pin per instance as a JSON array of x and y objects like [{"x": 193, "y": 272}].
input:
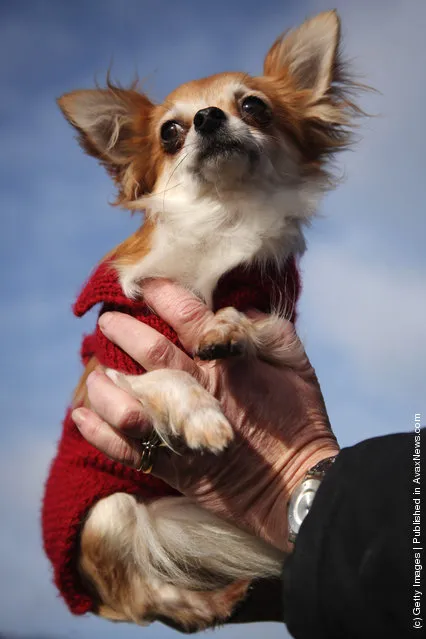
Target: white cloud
[
  {"x": 27, "y": 461},
  {"x": 373, "y": 314},
  {"x": 387, "y": 46},
  {"x": 364, "y": 290}
]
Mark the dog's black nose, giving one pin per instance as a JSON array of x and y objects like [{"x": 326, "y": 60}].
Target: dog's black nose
[{"x": 209, "y": 120}]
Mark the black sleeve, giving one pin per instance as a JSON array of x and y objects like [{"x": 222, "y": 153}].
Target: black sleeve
[{"x": 353, "y": 572}]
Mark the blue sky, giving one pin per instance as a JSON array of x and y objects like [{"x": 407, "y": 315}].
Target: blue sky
[{"x": 364, "y": 303}]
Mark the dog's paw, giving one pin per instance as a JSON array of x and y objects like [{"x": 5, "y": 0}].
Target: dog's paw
[
  {"x": 207, "y": 429},
  {"x": 226, "y": 335},
  {"x": 179, "y": 407},
  {"x": 120, "y": 379}
]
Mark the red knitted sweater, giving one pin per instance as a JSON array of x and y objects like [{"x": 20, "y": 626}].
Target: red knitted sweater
[{"x": 80, "y": 475}]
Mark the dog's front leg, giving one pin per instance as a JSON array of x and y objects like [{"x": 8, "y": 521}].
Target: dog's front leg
[
  {"x": 178, "y": 406},
  {"x": 230, "y": 333}
]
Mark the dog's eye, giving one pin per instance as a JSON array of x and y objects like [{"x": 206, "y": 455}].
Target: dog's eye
[
  {"x": 254, "y": 108},
  {"x": 171, "y": 136}
]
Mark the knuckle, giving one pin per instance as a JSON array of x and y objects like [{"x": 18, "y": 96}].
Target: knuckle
[
  {"x": 92, "y": 430},
  {"x": 190, "y": 311},
  {"x": 130, "y": 418},
  {"x": 124, "y": 453},
  {"x": 159, "y": 352}
]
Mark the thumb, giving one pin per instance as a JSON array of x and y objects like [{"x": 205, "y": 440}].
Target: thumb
[{"x": 178, "y": 307}]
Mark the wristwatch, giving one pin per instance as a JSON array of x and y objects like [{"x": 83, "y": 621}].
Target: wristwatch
[{"x": 303, "y": 496}]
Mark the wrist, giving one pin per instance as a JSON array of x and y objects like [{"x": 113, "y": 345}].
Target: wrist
[
  {"x": 311, "y": 454},
  {"x": 304, "y": 494},
  {"x": 275, "y": 527}
]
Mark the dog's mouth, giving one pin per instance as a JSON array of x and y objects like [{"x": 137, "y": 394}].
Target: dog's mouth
[
  {"x": 220, "y": 146},
  {"x": 223, "y": 155}
]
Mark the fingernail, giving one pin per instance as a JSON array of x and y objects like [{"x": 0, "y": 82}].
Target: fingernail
[
  {"x": 78, "y": 416},
  {"x": 92, "y": 376},
  {"x": 104, "y": 321}
]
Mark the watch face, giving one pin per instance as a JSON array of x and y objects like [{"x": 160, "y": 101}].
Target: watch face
[{"x": 300, "y": 504}]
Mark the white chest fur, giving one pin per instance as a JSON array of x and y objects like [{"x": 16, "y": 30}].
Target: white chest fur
[{"x": 196, "y": 240}]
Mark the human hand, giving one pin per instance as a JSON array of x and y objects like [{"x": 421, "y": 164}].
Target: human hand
[{"x": 278, "y": 414}]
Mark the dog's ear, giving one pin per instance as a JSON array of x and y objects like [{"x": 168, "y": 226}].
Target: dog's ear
[
  {"x": 309, "y": 54},
  {"x": 114, "y": 126},
  {"x": 108, "y": 120}
]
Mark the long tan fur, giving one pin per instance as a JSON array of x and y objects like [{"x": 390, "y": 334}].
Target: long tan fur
[{"x": 170, "y": 558}]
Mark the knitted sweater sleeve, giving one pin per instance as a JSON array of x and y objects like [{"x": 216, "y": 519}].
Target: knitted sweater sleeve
[{"x": 356, "y": 567}]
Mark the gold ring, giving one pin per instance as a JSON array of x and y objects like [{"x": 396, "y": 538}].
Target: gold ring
[{"x": 149, "y": 446}]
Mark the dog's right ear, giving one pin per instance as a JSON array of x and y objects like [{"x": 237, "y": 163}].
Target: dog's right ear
[{"x": 112, "y": 123}]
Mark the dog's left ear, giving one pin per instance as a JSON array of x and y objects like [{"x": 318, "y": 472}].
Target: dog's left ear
[{"x": 308, "y": 54}]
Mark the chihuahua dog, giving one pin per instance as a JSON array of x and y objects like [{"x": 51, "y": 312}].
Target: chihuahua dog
[{"x": 228, "y": 171}]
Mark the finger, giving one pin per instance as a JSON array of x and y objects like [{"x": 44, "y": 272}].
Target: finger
[
  {"x": 165, "y": 466},
  {"x": 177, "y": 306},
  {"x": 115, "y": 406},
  {"x": 148, "y": 347},
  {"x": 112, "y": 443},
  {"x": 175, "y": 469}
]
